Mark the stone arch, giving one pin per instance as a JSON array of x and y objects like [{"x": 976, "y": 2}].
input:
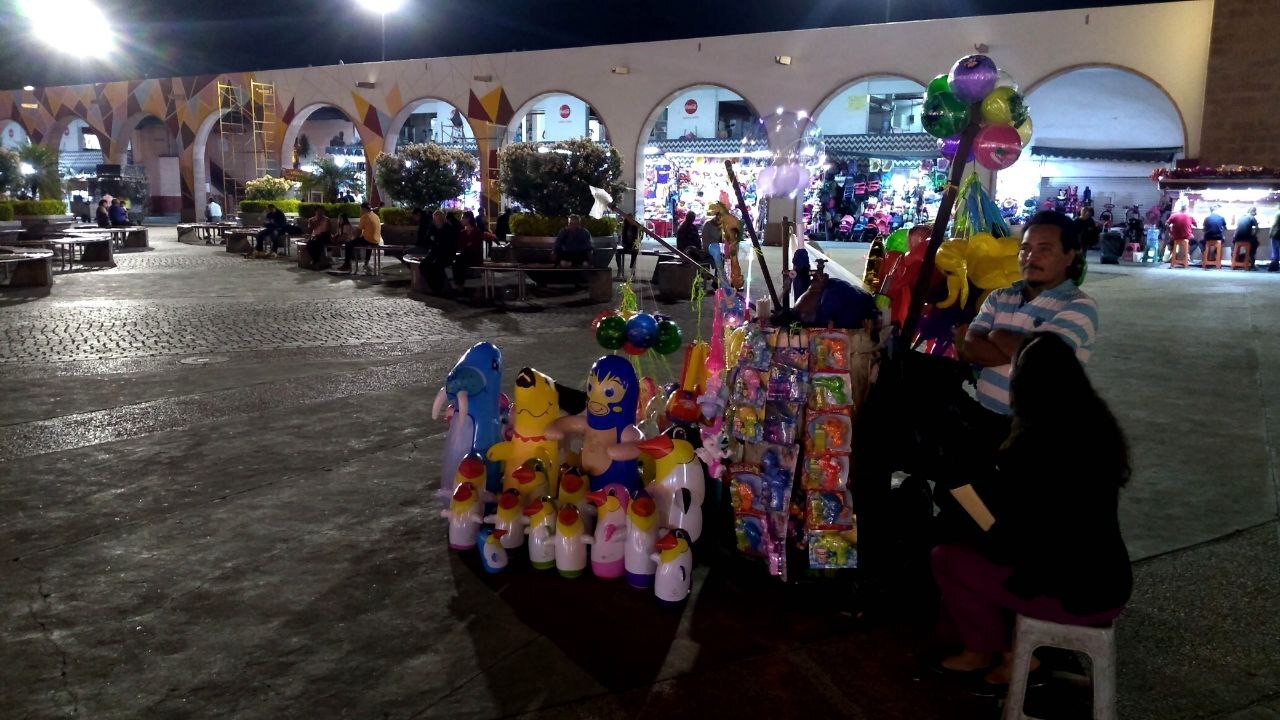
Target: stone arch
[
  {"x": 13, "y": 133},
  {"x": 1056, "y": 74},
  {"x": 518, "y": 117},
  {"x": 392, "y": 138},
  {"x": 754, "y": 130},
  {"x": 830, "y": 97},
  {"x": 294, "y": 128}
]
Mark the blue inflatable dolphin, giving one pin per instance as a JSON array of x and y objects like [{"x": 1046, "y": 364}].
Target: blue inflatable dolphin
[{"x": 472, "y": 389}]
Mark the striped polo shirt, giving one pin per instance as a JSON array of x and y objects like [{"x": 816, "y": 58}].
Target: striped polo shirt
[{"x": 1065, "y": 310}]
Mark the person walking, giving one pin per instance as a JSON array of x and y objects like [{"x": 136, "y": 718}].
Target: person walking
[
  {"x": 628, "y": 244},
  {"x": 1247, "y": 232},
  {"x": 370, "y": 237}
]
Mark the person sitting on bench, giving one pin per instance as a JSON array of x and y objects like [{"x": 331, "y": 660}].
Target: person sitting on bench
[
  {"x": 103, "y": 215},
  {"x": 318, "y": 230},
  {"x": 370, "y": 237},
  {"x": 573, "y": 244},
  {"x": 119, "y": 216},
  {"x": 273, "y": 226}
]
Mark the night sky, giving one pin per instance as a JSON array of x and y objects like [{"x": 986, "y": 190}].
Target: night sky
[{"x": 161, "y": 38}]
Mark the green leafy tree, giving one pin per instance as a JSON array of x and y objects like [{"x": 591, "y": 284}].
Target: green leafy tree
[
  {"x": 329, "y": 178},
  {"x": 424, "y": 174},
  {"x": 267, "y": 188},
  {"x": 556, "y": 179},
  {"x": 44, "y": 181},
  {"x": 11, "y": 180}
]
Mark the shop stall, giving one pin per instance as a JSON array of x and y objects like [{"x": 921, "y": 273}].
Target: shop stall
[
  {"x": 688, "y": 175},
  {"x": 1230, "y": 191}
]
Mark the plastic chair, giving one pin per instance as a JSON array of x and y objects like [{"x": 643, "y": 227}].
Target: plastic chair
[
  {"x": 1212, "y": 256},
  {"x": 1240, "y": 259},
  {"x": 1181, "y": 255},
  {"x": 1099, "y": 643}
]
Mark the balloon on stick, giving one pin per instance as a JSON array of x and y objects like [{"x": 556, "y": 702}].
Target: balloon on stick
[
  {"x": 944, "y": 115},
  {"x": 1004, "y": 106},
  {"x": 997, "y": 146},
  {"x": 972, "y": 78}
]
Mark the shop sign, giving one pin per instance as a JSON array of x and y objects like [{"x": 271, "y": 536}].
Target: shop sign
[
  {"x": 690, "y": 106},
  {"x": 564, "y": 111}
]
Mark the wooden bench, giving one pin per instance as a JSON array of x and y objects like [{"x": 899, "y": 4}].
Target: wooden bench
[{"x": 25, "y": 267}]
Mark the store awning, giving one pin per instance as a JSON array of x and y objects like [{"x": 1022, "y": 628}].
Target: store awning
[
  {"x": 894, "y": 146},
  {"x": 709, "y": 146},
  {"x": 1150, "y": 155}
]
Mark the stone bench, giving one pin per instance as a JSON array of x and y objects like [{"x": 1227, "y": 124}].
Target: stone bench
[
  {"x": 599, "y": 281},
  {"x": 25, "y": 267}
]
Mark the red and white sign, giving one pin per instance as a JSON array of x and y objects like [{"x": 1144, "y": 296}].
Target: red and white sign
[
  {"x": 564, "y": 111},
  {"x": 690, "y": 106}
]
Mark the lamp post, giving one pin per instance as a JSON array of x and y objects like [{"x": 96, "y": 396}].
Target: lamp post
[{"x": 382, "y": 7}]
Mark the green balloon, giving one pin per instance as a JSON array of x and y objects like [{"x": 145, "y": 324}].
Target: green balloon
[
  {"x": 611, "y": 332},
  {"x": 669, "y": 338},
  {"x": 944, "y": 115},
  {"x": 939, "y": 84},
  {"x": 897, "y": 241}
]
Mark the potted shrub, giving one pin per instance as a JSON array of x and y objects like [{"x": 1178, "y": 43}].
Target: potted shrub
[
  {"x": 329, "y": 179},
  {"x": 419, "y": 175},
  {"x": 261, "y": 192},
  {"x": 552, "y": 181}
]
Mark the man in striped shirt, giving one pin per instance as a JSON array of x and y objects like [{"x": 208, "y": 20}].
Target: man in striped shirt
[{"x": 1046, "y": 300}]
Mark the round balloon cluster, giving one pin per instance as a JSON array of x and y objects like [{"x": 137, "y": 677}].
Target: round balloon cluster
[
  {"x": 789, "y": 171},
  {"x": 638, "y": 333},
  {"x": 977, "y": 92}
]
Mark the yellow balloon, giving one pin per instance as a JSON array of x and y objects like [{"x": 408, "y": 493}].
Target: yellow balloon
[
  {"x": 952, "y": 263},
  {"x": 1004, "y": 106},
  {"x": 993, "y": 262},
  {"x": 1024, "y": 132}
]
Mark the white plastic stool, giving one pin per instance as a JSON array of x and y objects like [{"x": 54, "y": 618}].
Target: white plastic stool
[{"x": 1099, "y": 643}]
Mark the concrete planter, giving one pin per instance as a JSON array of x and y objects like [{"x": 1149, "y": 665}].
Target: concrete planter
[
  {"x": 537, "y": 249},
  {"x": 35, "y": 227}
]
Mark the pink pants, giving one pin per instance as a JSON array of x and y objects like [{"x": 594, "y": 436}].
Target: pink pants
[{"x": 978, "y": 608}]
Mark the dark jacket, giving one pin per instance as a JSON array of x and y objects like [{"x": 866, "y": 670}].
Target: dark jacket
[
  {"x": 1057, "y": 526},
  {"x": 275, "y": 220},
  {"x": 687, "y": 238},
  {"x": 442, "y": 242},
  {"x": 103, "y": 217},
  {"x": 502, "y": 227},
  {"x": 629, "y": 238},
  {"x": 573, "y": 240}
]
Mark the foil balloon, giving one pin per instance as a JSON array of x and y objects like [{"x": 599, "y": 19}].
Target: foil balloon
[
  {"x": 939, "y": 85},
  {"x": 1024, "y": 132},
  {"x": 944, "y": 115},
  {"x": 948, "y": 147},
  {"x": 642, "y": 330},
  {"x": 1004, "y": 106},
  {"x": 997, "y": 146},
  {"x": 669, "y": 339},
  {"x": 897, "y": 241},
  {"x": 972, "y": 78},
  {"x": 1004, "y": 79},
  {"x": 992, "y": 263}
]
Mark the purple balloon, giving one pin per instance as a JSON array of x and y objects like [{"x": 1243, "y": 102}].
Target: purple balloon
[
  {"x": 949, "y": 146},
  {"x": 803, "y": 179},
  {"x": 784, "y": 182},
  {"x": 973, "y": 77},
  {"x": 764, "y": 181}
]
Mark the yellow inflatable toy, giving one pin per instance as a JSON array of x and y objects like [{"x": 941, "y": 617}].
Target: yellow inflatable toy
[{"x": 537, "y": 403}]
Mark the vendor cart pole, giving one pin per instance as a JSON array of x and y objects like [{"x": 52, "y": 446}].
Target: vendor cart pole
[
  {"x": 939, "y": 234},
  {"x": 751, "y": 230},
  {"x": 787, "y": 225},
  {"x": 687, "y": 260}
]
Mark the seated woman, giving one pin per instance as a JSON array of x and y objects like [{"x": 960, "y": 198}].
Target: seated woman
[
  {"x": 471, "y": 242},
  {"x": 1051, "y": 546},
  {"x": 103, "y": 215},
  {"x": 318, "y": 239}
]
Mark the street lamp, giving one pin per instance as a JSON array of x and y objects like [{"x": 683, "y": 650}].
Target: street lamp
[
  {"x": 382, "y": 7},
  {"x": 75, "y": 27}
]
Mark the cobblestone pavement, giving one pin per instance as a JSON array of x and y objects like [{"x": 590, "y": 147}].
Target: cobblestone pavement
[{"x": 217, "y": 484}]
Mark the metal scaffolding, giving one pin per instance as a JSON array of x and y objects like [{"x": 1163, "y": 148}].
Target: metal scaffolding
[{"x": 246, "y": 128}]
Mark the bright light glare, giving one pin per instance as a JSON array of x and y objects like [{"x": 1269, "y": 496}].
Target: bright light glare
[
  {"x": 75, "y": 27},
  {"x": 28, "y": 88},
  {"x": 382, "y": 7},
  {"x": 26, "y": 169}
]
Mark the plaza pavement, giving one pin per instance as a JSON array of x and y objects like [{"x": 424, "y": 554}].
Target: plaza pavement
[{"x": 251, "y": 533}]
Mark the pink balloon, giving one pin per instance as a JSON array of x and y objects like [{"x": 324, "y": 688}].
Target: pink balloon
[
  {"x": 802, "y": 178},
  {"x": 764, "y": 181},
  {"x": 997, "y": 146},
  {"x": 784, "y": 182}
]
